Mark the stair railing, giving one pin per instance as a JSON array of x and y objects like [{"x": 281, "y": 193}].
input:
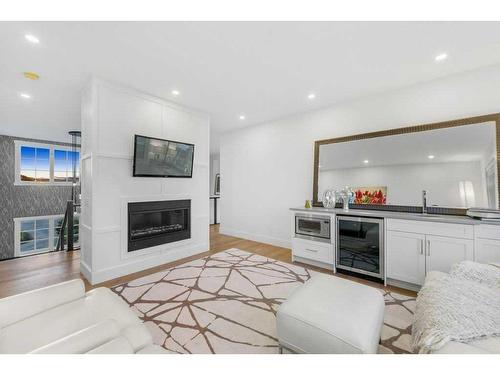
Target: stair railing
[{"x": 67, "y": 227}]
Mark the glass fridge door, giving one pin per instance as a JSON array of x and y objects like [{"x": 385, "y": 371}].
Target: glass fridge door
[{"x": 359, "y": 245}]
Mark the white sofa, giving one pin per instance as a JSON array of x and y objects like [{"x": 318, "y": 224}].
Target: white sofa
[
  {"x": 482, "y": 346},
  {"x": 63, "y": 319},
  {"x": 478, "y": 284}
]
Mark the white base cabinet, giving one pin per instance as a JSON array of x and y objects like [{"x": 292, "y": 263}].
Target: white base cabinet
[
  {"x": 443, "y": 252},
  {"x": 488, "y": 243},
  {"x": 487, "y": 250},
  {"x": 414, "y": 247},
  {"x": 405, "y": 257},
  {"x": 315, "y": 251},
  {"x": 410, "y": 255}
]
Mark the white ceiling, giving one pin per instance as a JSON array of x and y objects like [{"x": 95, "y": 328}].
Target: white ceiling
[
  {"x": 459, "y": 144},
  {"x": 262, "y": 70}
]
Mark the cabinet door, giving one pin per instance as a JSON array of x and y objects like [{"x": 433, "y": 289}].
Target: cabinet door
[
  {"x": 487, "y": 251},
  {"x": 443, "y": 252},
  {"x": 405, "y": 257}
]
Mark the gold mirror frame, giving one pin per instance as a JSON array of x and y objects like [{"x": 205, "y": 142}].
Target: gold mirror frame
[{"x": 410, "y": 129}]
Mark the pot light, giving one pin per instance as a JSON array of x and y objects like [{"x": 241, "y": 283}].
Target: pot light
[
  {"x": 311, "y": 96},
  {"x": 366, "y": 161},
  {"x": 25, "y": 96},
  {"x": 431, "y": 156},
  {"x": 441, "y": 57},
  {"x": 175, "y": 92},
  {"x": 32, "y": 39},
  {"x": 242, "y": 117}
]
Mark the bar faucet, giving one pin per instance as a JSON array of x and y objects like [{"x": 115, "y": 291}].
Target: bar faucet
[{"x": 424, "y": 201}]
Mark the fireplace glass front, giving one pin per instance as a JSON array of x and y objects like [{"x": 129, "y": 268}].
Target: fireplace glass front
[{"x": 156, "y": 223}]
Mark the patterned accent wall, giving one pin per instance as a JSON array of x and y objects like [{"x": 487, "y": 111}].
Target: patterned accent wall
[{"x": 23, "y": 201}]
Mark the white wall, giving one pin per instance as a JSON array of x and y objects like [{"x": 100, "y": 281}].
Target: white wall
[
  {"x": 267, "y": 169},
  {"x": 405, "y": 182},
  {"x": 111, "y": 115}
]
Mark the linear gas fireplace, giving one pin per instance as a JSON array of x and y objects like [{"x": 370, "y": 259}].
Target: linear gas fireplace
[{"x": 155, "y": 223}]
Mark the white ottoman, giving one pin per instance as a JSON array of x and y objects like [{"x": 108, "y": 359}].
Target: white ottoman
[{"x": 331, "y": 315}]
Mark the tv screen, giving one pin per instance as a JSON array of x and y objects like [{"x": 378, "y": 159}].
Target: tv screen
[{"x": 155, "y": 157}]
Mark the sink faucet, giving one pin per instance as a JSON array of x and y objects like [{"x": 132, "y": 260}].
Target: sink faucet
[{"x": 424, "y": 201}]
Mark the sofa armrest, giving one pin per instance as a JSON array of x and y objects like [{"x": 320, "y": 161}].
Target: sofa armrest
[
  {"x": 118, "y": 345},
  {"x": 21, "y": 306},
  {"x": 138, "y": 336},
  {"x": 153, "y": 349},
  {"x": 82, "y": 341}
]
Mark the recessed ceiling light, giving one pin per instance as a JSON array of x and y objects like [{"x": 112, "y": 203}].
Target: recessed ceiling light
[
  {"x": 311, "y": 96},
  {"x": 441, "y": 57},
  {"x": 25, "y": 96},
  {"x": 175, "y": 92},
  {"x": 242, "y": 117},
  {"x": 366, "y": 161},
  {"x": 31, "y": 38},
  {"x": 431, "y": 156}
]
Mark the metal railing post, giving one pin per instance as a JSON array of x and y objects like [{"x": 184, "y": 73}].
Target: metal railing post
[{"x": 70, "y": 209}]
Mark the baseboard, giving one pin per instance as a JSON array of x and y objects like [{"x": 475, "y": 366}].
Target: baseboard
[
  {"x": 403, "y": 285},
  {"x": 315, "y": 263},
  {"x": 85, "y": 271},
  {"x": 136, "y": 265},
  {"x": 255, "y": 237}
]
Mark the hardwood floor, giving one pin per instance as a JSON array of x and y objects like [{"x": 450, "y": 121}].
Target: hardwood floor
[
  {"x": 24, "y": 274},
  {"x": 36, "y": 271}
]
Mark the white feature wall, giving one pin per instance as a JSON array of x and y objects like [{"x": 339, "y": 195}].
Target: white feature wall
[
  {"x": 111, "y": 116},
  {"x": 267, "y": 169}
]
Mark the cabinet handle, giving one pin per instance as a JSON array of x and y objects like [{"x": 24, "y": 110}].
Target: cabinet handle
[
  {"x": 311, "y": 250},
  {"x": 428, "y": 247},
  {"x": 421, "y": 247}
]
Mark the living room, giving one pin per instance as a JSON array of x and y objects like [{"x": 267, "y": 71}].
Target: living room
[{"x": 251, "y": 187}]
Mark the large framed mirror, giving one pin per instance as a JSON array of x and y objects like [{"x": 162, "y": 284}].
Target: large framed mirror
[{"x": 455, "y": 162}]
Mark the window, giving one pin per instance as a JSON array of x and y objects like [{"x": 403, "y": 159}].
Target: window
[
  {"x": 38, "y": 163},
  {"x": 40, "y": 234},
  {"x": 63, "y": 165},
  {"x": 35, "y": 164}
]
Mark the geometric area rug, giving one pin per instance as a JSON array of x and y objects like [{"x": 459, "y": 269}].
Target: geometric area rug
[{"x": 227, "y": 302}]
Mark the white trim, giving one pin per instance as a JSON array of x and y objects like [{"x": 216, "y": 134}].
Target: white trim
[
  {"x": 119, "y": 270},
  {"x": 155, "y": 99},
  {"x": 52, "y": 147},
  {"x": 110, "y": 229},
  {"x": 85, "y": 271},
  {"x": 131, "y": 158},
  {"x": 86, "y": 156}
]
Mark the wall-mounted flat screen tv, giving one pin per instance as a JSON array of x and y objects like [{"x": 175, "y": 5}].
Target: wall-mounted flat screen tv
[{"x": 154, "y": 157}]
